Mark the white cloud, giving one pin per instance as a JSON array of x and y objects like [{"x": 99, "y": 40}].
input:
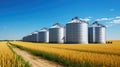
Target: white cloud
[
  {"x": 109, "y": 25},
  {"x": 116, "y": 21},
  {"x": 104, "y": 19},
  {"x": 118, "y": 17},
  {"x": 87, "y": 18},
  {"x": 110, "y": 21}
]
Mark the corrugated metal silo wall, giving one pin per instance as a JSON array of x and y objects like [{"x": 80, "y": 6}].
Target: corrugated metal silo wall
[
  {"x": 56, "y": 35},
  {"x": 34, "y": 38},
  {"x": 43, "y": 36},
  {"x": 91, "y": 35},
  {"x": 77, "y": 33},
  {"x": 30, "y": 38},
  {"x": 100, "y": 35},
  {"x": 23, "y": 39}
]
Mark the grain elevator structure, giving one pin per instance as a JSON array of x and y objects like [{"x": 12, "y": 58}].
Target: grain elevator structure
[
  {"x": 97, "y": 33},
  {"x": 28, "y": 38},
  {"x": 77, "y": 31},
  {"x": 56, "y": 34},
  {"x": 34, "y": 37},
  {"x": 43, "y": 35}
]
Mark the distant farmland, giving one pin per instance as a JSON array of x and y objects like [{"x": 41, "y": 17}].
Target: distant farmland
[{"x": 76, "y": 55}]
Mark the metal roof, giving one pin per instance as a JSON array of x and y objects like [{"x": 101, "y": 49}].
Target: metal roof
[
  {"x": 96, "y": 24},
  {"x": 56, "y": 25},
  {"x": 44, "y": 29},
  {"x": 77, "y": 20}
]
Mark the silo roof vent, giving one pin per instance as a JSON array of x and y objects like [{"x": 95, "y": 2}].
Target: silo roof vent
[
  {"x": 44, "y": 29},
  {"x": 56, "y": 25},
  {"x": 77, "y": 20},
  {"x": 96, "y": 24}
]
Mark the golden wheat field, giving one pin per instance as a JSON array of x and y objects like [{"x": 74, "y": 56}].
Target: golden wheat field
[
  {"x": 99, "y": 55},
  {"x": 8, "y": 58}
]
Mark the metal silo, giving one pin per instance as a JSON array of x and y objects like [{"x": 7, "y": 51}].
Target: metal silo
[
  {"x": 27, "y": 37},
  {"x": 34, "y": 37},
  {"x": 97, "y": 33},
  {"x": 77, "y": 31},
  {"x": 24, "y": 38},
  {"x": 56, "y": 34},
  {"x": 43, "y": 35}
]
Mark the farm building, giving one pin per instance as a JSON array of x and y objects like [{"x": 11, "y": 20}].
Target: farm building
[
  {"x": 56, "y": 34},
  {"x": 77, "y": 31},
  {"x": 97, "y": 33},
  {"x": 43, "y": 35}
]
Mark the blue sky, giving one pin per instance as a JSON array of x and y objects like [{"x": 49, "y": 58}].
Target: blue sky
[{"x": 21, "y": 17}]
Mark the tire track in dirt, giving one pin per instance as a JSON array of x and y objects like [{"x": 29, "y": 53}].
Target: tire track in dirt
[{"x": 35, "y": 61}]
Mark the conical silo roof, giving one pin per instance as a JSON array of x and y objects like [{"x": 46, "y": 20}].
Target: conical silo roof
[
  {"x": 96, "y": 24},
  {"x": 35, "y": 32},
  {"x": 43, "y": 29},
  {"x": 77, "y": 20},
  {"x": 56, "y": 25}
]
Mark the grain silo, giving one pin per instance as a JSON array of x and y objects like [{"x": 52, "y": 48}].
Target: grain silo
[
  {"x": 77, "y": 31},
  {"x": 27, "y": 37},
  {"x": 56, "y": 34},
  {"x": 97, "y": 33},
  {"x": 43, "y": 35},
  {"x": 24, "y": 38},
  {"x": 34, "y": 36}
]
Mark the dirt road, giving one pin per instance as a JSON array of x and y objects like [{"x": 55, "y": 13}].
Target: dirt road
[{"x": 34, "y": 60}]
